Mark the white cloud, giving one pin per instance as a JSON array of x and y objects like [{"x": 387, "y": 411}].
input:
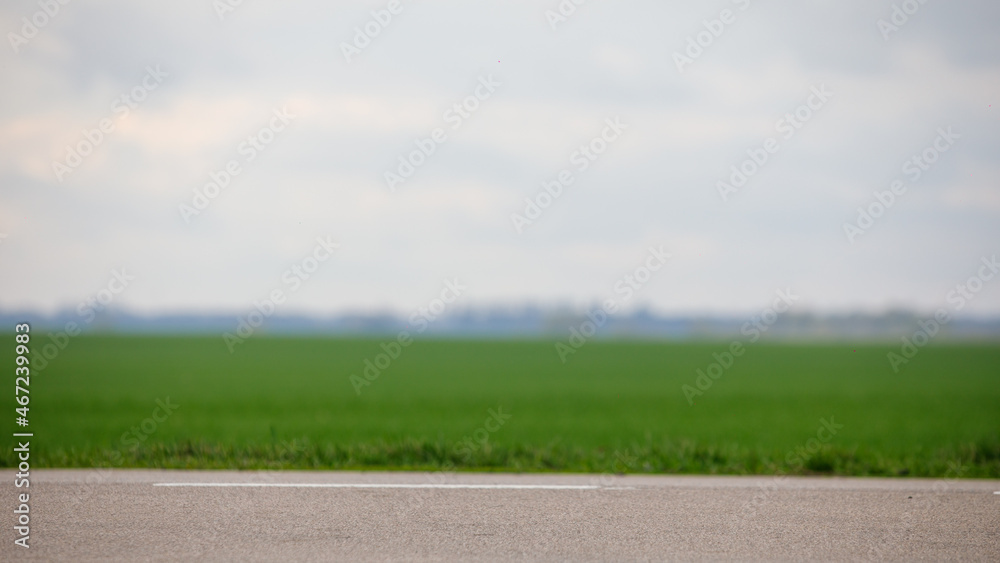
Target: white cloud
[{"x": 324, "y": 175}]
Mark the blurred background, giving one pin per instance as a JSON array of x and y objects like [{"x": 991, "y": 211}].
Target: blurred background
[
  {"x": 502, "y": 182},
  {"x": 316, "y": 104}
]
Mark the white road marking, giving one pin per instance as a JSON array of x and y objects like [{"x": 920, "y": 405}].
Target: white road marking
[
  {"x": 379, "y": 486},
  {"x": 996, "y": 492}
]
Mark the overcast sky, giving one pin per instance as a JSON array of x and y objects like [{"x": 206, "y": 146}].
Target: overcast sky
[{"x": 220, "y": 76}]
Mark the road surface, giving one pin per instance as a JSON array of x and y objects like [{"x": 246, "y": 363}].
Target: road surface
[{"x": 153, "y": 515}]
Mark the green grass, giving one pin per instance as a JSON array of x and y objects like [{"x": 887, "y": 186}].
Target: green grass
[{"x": 615, "y": 406}]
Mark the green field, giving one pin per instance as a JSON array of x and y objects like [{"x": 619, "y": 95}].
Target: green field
[{"x": 614, "y": 406}]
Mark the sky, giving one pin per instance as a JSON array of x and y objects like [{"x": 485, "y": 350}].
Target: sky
[{"x": 643, "y": 109}]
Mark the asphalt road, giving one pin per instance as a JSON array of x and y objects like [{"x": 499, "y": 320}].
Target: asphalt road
[{"x": 139, "y": 515}]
